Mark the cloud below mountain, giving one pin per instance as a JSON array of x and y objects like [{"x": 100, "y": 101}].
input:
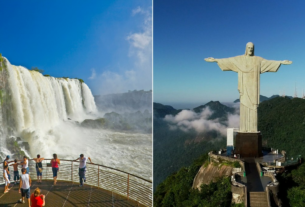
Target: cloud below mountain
[{"x": 189, "y": 120}]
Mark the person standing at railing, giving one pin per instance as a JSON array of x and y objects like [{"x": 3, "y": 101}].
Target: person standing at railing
[
  {"x": 82, "y": 168},
  {"x": 24, "y": 186},
  {"x": 16, "y": 172},
  {"x": 55, "y": 162},
  {"x": 5, "y": 163},
  {"x": 25, "y": 164},
  {"x": 39, "y": 168},
  {"x": 6, "y": 179}
]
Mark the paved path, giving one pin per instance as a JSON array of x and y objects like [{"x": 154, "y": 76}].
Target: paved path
[
  {"x": 255, "y": 183},
  {"x": 66, "y": 194}
]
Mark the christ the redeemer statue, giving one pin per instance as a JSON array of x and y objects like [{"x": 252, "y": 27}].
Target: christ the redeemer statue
[{"x": 249, "y": 68}]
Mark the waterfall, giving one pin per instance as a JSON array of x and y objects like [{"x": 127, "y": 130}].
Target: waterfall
[{"x": 32, "y": 105}]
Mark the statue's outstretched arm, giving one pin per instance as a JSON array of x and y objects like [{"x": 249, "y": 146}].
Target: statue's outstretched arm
[
  {"x": 211, "y": 60},
  {"x": 286, "y": 62}
]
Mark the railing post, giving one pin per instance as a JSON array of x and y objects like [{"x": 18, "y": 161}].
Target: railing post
[
  {"x": 72, "y": 171},
  {"x": 128, "y": 187},
  {"x": 98, "y": 176}
]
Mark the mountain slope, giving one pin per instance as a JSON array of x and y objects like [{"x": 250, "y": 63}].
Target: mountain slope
[
  {"x": 282, "y": 123},
  {"x": 174, "y": 148}
]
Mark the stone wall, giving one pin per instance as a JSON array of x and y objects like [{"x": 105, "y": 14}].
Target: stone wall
[
  {"x": 273, "y": 188},
  {"x": 239, "y": 194}
]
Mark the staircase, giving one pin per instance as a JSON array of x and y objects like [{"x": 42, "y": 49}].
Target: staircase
[{"x": 258, "y": 199}]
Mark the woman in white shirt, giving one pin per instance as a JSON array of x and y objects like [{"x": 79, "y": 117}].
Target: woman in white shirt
[{"x": 5, "y": 176}]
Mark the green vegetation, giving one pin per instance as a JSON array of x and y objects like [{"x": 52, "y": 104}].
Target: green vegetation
[
  {"x": 46, "y": 75},
  {"x": 236, "y": 164},
  {"x": 81, "y": 80},
  {"x": 282, "y": 123},
  {"x": 176, "y": 190},
  {"x": 228, "y": 163},
  {"x": 37, "y": 70},
  {"x": 2, "y": 63},
  {"x": 292, "y": 187}
]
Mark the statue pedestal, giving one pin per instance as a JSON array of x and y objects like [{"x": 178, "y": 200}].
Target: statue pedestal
[{"x": 248, "y": 144}]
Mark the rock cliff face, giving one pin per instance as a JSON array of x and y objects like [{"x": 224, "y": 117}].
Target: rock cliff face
[{"x": 210, "y": 173}]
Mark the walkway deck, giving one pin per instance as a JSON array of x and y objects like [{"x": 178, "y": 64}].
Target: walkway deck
[
  {"x": 66, "y": 194},
  {"x": 255, "y": 183}
]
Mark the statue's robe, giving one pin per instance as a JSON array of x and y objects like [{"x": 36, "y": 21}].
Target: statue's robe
[{"x": 249, "y": 69}]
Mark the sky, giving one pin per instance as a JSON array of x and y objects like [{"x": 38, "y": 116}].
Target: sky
[
  {"x": 186, "y": 32},
  {"x": 108, "y": 44}
]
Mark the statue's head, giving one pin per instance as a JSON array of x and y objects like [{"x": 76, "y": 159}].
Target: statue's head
[{"x": 249, "y": 49}]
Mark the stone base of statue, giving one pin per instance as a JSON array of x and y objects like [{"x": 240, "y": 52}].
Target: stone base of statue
[{"x": 248, "y": 144}]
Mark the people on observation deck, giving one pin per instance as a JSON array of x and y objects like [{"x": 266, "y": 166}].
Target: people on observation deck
[
  {"x": 5, "y": 163},
  {"x": 6, "y": 179},
  {"x": 82, "y": 168},
  {"x": 25, "y": 164},
  {"x": 55, "y": 162},
  {"x": 39, "y": 168},
  {"x": 24, "y": 186},
  {"x": 16, "y": 172}
]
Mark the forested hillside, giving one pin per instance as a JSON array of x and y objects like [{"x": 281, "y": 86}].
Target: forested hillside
[
  {"x": 174, "y": 148},
  {"x": 282, "y": 123}
]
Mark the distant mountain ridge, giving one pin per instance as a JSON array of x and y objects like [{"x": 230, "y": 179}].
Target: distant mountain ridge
[
  {"x": 131, "y": 101},
  {"x": 174, "y": 148},
  {"x": 265, "y": 98},
  {"x": 220, "y": 111}
]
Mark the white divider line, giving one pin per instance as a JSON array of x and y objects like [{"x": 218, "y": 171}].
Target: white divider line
[
  {"x": 90, "y": 196},
  {"x": 68, "y": 195}
]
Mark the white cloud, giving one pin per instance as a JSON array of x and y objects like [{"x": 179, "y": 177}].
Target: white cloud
[
  {"x": 93, "y": 74},
  {"x": 138, "y": 74},
  {"x": 141, "y": 42},
  {"x": 188, "y": 119},
  {"x": 138, "y": 10}
]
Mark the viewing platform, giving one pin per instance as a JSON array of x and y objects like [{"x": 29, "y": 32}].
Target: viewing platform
[{"x": 104, "y": 186}]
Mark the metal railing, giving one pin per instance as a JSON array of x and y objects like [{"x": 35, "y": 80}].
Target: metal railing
[{"x": 131, "y": 186}]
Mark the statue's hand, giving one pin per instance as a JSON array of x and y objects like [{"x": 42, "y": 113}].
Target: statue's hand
[
  {"x": 286, "y": 62},
  {"x": 210, "y": 59}
]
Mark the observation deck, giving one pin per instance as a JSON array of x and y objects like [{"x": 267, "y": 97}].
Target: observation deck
[{"x": 104, "y": 186}]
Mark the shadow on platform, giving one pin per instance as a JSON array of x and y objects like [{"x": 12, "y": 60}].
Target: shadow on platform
[{"x": 66, "y": 194}]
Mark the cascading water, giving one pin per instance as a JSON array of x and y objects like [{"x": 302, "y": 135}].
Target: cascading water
[{"x": 46, "y": 112}]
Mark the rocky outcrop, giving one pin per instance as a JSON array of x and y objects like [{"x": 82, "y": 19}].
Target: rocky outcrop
[
  {"x": 14, "y": 145},
  {"x": 211, "y": 173}
]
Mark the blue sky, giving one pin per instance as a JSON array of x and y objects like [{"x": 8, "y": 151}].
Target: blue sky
[
  {"x": 186, "y": 32},
  {"x": 105, "y": 43}
]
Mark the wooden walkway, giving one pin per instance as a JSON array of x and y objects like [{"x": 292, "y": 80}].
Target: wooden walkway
[{"x": 66, "y": 194}]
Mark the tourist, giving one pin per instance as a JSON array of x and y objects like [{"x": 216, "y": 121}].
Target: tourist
[
  {"x": 37, "y": 199},
  {"x": 16, "y": 172},
  {"x": 24, "y": 186},
  {"x": 25, "y": 164},
  {"x": 55, "y": 162},
  {"x": 82, "y": 168},
  {"x": 5, "y": 163},
  {"x": 6, "y": 179},
  {"x": 39, "y": 168}
]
